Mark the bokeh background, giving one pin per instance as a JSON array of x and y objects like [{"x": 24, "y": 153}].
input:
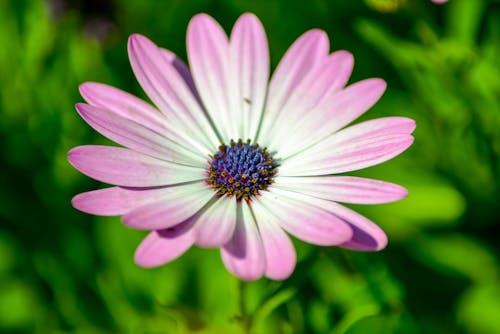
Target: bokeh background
[{"x": 62, "y": 271}]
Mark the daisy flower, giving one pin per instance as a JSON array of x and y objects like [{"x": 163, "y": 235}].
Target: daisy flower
[{"x": 233, "y": 159}]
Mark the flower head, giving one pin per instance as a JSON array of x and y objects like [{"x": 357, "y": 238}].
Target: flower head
[{"x": 227, "y": 158}]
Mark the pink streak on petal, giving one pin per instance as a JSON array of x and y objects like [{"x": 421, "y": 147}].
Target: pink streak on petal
[
  {"x": 280, "y": 253},
  {"x": 307, "y": 52},
  {"x": 244, "y": 254},
  {"x": 161, "y": 247},
  {"x": 307, "y": 222},
  {"x": 136, "y": 136},
  {"x": 123, "y": 104},
  {"x": 208, "y": 53},
  {"x": 249, "y": 54},
  {"x": 171, "y": 210},
  {"x": 347, "y": 189},
  {"x": 124, "y": 167},
  {"x": 216, "y": 226}
]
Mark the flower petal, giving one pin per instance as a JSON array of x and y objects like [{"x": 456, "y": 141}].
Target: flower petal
[
  {"x": 322, "y": 82},
  {"x": 138, "y": 137},
  {"x": 116, "y": 201},
  {"x": 124, "y": 167},
  {"x": 161, "y": 247},
  {"x": 365, "y": 235},
  {"x": 123, "y": 104},
  {"x": 216, "y": 225},
  {"x": 302, "y": 57},
  {"x": 333, "y": 113},
  {"x": 208, "y": 53},
  {"x": 170, "y": 92},
  {"x": 280, "y": 253},
  {"x": 304, "y": 220},
  {"x": 172, "y": 209},
  {"x": 183, "y": 70},
  {"x": 362, "y": 145},
  {"x": 249, "y": 54},
  {"x": 347, "y": 189},
  {"x": 244, "y": 254}
]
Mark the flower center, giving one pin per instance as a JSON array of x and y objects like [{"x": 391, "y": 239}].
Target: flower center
[{"x": 241, "y": 169}]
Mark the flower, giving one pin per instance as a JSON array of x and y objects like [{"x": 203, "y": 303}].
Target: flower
[
  {"x": 230, "y": 159},
  {"x": 439, "y": 1}
]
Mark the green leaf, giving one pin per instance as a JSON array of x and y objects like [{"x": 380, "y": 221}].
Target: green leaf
[
  {"x": 17, "y": 303},
  {"x": 457, "y": 254},
  {"x": 479, "y": 308}
]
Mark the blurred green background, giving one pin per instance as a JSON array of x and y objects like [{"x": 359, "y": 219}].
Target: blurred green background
[{"x": 62, "y": 271}]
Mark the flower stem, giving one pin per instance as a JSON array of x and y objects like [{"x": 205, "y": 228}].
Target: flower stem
[{"x": 244, "y": 318}]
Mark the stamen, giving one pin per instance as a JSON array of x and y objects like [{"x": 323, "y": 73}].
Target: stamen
[{"x": 241, "y": 169}]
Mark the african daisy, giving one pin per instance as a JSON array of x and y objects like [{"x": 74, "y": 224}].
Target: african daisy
[{"x": 227, "y": 158}]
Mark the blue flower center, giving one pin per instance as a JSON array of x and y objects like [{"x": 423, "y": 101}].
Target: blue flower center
[{"x": 241, "y": 169}]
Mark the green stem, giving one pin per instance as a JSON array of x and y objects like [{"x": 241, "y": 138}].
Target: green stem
[{"x": 244, "y": 318}]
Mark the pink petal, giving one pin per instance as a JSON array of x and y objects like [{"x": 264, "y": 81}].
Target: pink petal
[
  {"x": 124, "y": 167},
  {"x": 216, "y": 225},
  {"x": 334, "y": 112},
  {"x": 304, "y": 220},
  {"x": 174, "y": 208},
  {"x": 350, "y": 103},
  {"x": 347, "y": 189},
  {"x": 365, "y": 235},
  {"x": 123, "y": 104},
  {"x": 249, "y": 56},
  {"x": 183, "y": 70},
  {"x": 280, "y": 253},
  {"x": 208, "y": 53},
  {"x": 307, "y": 52},
  {"x": 323, "y": 81},
  {"x": 359, "y": 146},
  {"x": 244, "y": 254},
  {"x": 130, "y": 107},
  {"x": 375, "y": 127},
  {"x": 168, "y": 90},
  {"x": 161, "y": 247},
  {"x": 117, "y": 201},
  {"x": 136, "y": 136}
]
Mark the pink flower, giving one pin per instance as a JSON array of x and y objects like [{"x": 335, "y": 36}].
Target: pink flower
[
  {"x": 189, "y": 175},
  {"x": 439, "y": 1}
]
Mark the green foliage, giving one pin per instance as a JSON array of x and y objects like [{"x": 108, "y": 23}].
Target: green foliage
[{"x": 64, "y": 271}]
